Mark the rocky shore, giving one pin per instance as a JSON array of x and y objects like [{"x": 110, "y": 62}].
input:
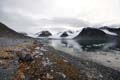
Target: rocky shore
[{"x": 32, "y": 60}]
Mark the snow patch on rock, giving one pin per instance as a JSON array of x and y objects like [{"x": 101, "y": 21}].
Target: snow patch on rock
[{"x": 110, "y": 33}]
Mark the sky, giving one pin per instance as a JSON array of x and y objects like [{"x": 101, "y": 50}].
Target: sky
[{"x": 33, "y": 16}]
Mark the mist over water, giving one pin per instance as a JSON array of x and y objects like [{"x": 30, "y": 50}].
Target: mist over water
[
  {"x": 83, "y": 45},
  {"x": 102, "y": 52}
]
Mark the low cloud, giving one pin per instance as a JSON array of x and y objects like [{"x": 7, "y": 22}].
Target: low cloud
[
  {"x": 73, "y": 22},
  {"x": 34, "y": 15}
]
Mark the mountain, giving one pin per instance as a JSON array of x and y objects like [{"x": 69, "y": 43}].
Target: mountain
[
  {"x": 64, "y": 34},
  {"x": 67, "y": 33},
  {"x": 88, "y": 33},
  {"x": 44, "y": 34},
  {"x": 91, "y": 33},
  {"x": 7, "y": 32}
]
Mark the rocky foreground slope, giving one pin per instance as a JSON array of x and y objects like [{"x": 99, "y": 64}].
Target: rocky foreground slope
[{"x": 49, "y": 64}]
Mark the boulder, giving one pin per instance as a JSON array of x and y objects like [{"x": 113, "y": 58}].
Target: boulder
[
  {"x": 28, "y": 58},
  {"x": 24, "y": 56}
]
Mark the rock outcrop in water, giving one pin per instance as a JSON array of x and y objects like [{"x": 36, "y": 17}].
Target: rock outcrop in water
[{"x": 45, "y": 34}]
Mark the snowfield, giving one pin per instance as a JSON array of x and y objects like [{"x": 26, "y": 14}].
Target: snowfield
[{"x": 110, "y": 33}]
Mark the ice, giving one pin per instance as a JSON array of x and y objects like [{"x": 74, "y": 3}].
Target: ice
[
  {"x": 110, "y": 33},
  {"x": 71, "y": 35}
]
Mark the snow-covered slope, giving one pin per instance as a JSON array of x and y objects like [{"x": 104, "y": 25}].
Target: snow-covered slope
[
  {"x": 71, "y": 34},
  {"x": 108, "y": 32},
  {"x": 34, "y": 35}
]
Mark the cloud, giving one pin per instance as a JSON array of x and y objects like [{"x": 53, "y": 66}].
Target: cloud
[
  {"x": 32, "y": 15},
  {"x": 73, "y": 22},
  {"x": 22, "y": 14},
  {"x": 16, "y": 21}
]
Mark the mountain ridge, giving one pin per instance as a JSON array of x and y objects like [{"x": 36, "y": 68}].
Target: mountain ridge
[{"x": 5, "y": 31}]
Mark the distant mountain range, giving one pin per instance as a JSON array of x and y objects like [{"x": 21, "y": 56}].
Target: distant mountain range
[
  {"x": 65, "y": 34},
  {"x": 7, "y": 32},
  {"x": 104, "y": 32},
  {"x": 85, "y": 33}
]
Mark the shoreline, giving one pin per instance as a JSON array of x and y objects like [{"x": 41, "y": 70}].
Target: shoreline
[{"x": 90, "y": 66}]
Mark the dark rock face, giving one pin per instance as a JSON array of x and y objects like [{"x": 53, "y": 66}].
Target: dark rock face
[
  {"x": 45, "y": 34},
  {"x": 64, "y": 34},
  {"x": 91, "y": 33}
]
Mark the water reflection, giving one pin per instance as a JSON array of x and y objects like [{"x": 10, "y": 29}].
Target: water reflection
[
  {"x": 69, "y": 46},
  {"x": 80, "y": 46},
  {"x": 102, "y": 52},
  {"x": 77, "y": 47}
]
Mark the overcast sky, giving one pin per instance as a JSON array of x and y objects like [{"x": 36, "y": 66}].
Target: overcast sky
[{"x": 36, "y": 15}]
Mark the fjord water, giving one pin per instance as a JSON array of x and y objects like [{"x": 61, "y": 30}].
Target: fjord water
[{"x": 102, "y": 52}]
